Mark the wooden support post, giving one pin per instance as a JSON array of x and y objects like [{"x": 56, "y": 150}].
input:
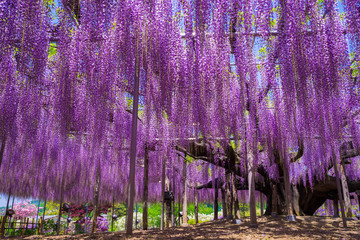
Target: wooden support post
[
  {"x": 60, "y": 206},
  {"x": 162, "y": 194},
  {"x": 43, "y": 218},
  {"x": 136, "y": 213},
  {"x": 27, "y": 223},
  {"x": 2, "y": 149},
  {"x": 167, "y": 205},
  {"x": 358, "y": 198},
  {"x": 23, "y": 225},
  {"x": 228, "y": 198},
  {"x": 133, "y": 142},
  {"x": 40, "y": 226},
  {"x": 184, "y": 207},
  {"x": 86, "y": 217},
  {"x": 112, "y": 215},
  {"x": 274, "y": 200},
  {"x": 216, "y": 201},
  {"x": 146, "y": 189},
  {"x": 3, "y": 222},
  {"x": 235, "y": 197},
  {"x": 37, "y": 214},
  {"x": 20, "y": 224},
  {"x": 345, "y": 188},
  {"x": 173, "y": 202},
  {"x": 261, "y": 205},
  {"x": 2, "y": 230},
  {"x": 196, "y": 211},
  {"x": 251, "y": 170},
  {"x": 179, "y": 207},
  {"x": 96, "y": 201},
  {"x": 288, "y": 196},
  {"x": 336, "y": 208},
  {"x": 223, "y": 202},
  {"x": 338, "y": 186}
]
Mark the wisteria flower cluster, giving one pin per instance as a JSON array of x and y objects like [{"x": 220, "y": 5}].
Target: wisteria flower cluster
[{"x": 261, "y": 76}]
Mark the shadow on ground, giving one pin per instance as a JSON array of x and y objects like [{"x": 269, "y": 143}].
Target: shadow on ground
[{"x": 309, "y": 227}]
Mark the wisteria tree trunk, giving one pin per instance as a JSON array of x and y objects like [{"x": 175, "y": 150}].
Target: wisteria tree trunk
[{"x": 305, "y": 199}]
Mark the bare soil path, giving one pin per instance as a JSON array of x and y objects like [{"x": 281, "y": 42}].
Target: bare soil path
[{"x": 268, "y": 228}]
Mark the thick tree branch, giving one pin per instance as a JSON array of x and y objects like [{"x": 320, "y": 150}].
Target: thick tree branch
[{"x": 300, "y": 152}]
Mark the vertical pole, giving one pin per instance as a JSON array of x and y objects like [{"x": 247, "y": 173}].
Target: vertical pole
[
  {"x": 345, "y": 188},
  {"x": 243, "y": 208},
  {"x": 43, "y": 218},
  {"x": 136, "y": 212},
  {"x": 133, "y": 143},
  {"x": 39, "y": 227},
  {"x": 179, "y": 202},
  {"x": 60, "y": 206},
  {"x": 336, "y": 208},
  {"x": 196, "y": 206},
  {"x": 229, "y": 204},
  {"x": 358, "y": 198},
  {"x": 162, "y": 194},
  {"x": 86, "y": 216},
  {"x": 146, "y": 189},
  {"x": 96, "y": 201},
  {"x": 12, "y": 205},
  {"x": 338, "y": 186},
  {"x": 112, "y": 214},
  {"x": 3, "y": 143},
  {"x": 37, "y": 214},
  {"x": 5, "y": 216},
  {"x": 173, "y": 203},
  {"x": 224, "y": 207},
  {"x": 167, "y": 205},
  {"x": 216, "y": 201},
  {"x": 274, "y": 200},
  {"x": 251, "y": 170},
  {"x": 261, "y": 204},
  {"x": 235, "y": 197},
  {"x": 184, "y": 207},
  {"x": 288, "y": 198}
]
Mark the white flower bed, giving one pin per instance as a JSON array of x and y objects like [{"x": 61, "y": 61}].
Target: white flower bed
[
  {"x": 119, "y": 224},
  {"x": 205, "y": 217}
]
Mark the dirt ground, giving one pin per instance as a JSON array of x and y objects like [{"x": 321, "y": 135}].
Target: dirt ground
[{"x": 268, "y": 228}]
